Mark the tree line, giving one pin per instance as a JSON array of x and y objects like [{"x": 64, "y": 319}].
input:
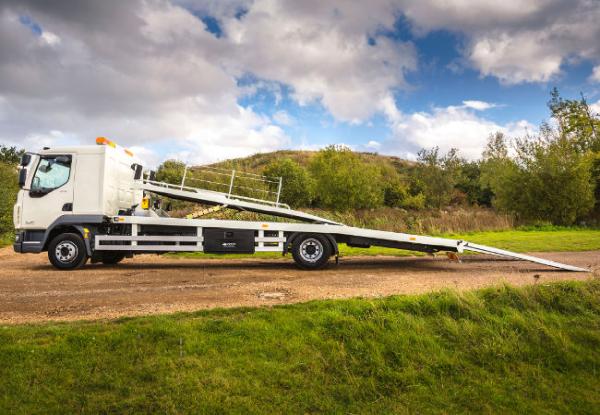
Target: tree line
[{"x": 552, "y": 176}]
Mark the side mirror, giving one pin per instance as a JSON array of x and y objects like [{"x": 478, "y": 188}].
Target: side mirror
[
  {"x": 22, "y": 177},
  {"x": 138, "y": 171},
  {"x": 25, "y": 160}
]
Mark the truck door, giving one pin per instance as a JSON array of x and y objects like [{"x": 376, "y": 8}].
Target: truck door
[{"x": 50, "y": 194}]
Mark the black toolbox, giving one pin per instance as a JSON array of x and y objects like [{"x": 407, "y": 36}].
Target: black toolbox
[{"x": 225, "y": 241}]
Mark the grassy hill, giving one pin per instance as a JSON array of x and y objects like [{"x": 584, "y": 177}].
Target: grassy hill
[{"x": 257, "y": 162}]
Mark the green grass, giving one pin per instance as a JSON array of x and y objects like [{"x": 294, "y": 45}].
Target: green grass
[
  {"x": 538, "y": 240},
  {"x": 522, "y": 240},
  {"x": 500, "y": 350}
]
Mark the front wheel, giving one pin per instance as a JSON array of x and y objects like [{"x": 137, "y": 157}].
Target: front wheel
[
  {"x": 67, "y": 251},
  {"x": 311, "y": 251}
]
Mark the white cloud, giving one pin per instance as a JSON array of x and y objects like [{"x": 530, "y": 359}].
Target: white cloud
[
  {"x": 148, "y": 74},
  {"x": 50, "y": 38},
  {"x": 141, "y": 73},
  {"x": 595, "y": 108},
  {"x": 320, "y": 50},
  {"x": 478, "y": 105},
  {"x": 516, "y": 58},
  {"x": 373, "y": 145},
  {"x": 449, "y": 127},
  {"x": 513, "y": 40},
  {"x": 595, "y": 76},
  {"x": 283, "y": 118}
]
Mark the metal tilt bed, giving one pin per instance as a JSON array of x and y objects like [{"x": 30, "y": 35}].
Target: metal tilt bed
[{"x": 274, "y": 236}]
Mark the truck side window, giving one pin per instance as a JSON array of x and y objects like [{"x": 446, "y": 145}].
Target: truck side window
[{"x": 52, "y": 173}]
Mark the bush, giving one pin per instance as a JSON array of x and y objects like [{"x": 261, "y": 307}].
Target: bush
[
  {"x": 8, "y": 196},
  {"x": 171, "y": 171},
  {"x": 298, "y": 186},
  {"x": 10, "y": 155},
  {"x": 344, "y": 181},
  {"x": 548, "y": 180},
  {"x": 438, "y": 175}
]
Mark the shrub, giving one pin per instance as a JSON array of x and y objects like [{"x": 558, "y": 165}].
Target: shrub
[
  {"x": 171, "y": 171},
  {"x": 548, "y": 180},
  {"x": 298, "y": 186},
  {"x": 8, "y": 196},
  {"x": 343, "y": 181}
]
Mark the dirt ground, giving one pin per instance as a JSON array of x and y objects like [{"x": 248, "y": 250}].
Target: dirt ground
[{"x": 32, "y": 291}]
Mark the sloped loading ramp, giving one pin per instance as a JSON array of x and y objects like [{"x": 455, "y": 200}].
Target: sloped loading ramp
[
  {"x": 436, "y": 244},
  {"x": 503, "y": 253},
  {"x": 208, "y": 197}
]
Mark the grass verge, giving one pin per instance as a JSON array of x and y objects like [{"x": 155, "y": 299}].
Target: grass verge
[
  {"x": 527, "y": 240},
  {"x": 503, "y": 350}
]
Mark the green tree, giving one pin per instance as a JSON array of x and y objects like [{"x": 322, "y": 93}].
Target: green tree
[
  {"x": 547, "y": 180},
  {"x": 343, "y": 181},
  {"x": 579, "y": 124},
  {"x": 9, "y": 159},
  {"x": 170, "y": 171},
  {"x": 297, "y": 185},
  {"x": 469, "y": 182},
  {"x": 10, "y": 155},
  {"x": 8, "y": 195},
  {"x": 576, "y": 122},
  {"x": 499, "y": 173},
  {"x": 439, "y": 174}
]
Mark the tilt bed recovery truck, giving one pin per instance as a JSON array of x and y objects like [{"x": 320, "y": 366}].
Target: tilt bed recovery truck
[{"x": 92, "y": 202}]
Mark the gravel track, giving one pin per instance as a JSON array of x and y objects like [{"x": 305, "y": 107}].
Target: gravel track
[{"x": 32, "y": 291}]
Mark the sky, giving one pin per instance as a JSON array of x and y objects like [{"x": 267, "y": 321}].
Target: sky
[{"x": 203, "y": 81}]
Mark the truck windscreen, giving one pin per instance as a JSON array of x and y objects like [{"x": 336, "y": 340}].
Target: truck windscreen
[{"x": 52, "y": 173}]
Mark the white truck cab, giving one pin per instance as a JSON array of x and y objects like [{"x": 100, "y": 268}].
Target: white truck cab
[{"x": 65, "y": 188}]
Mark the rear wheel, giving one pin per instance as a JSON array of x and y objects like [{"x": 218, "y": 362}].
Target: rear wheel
[
  {"x": 112, "y": 258},
  {"x": 67, "y": 251},
  {"x": 311, "y": 251}
]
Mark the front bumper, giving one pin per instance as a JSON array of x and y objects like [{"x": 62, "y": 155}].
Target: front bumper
[{"x": 28, "y": 242}]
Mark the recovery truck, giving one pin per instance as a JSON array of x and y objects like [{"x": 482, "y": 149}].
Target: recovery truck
[{"x": 92, "y": 203}]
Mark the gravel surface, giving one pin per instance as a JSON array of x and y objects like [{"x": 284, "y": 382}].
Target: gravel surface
[{"x": 32, "y": 291}]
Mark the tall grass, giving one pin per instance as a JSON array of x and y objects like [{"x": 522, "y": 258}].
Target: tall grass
[
  {"x": 451, "y": 220},
  {"x": 500, "y": 350}
]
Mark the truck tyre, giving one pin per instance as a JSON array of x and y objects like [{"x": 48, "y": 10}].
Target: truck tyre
[
  {"x": 67, "y": 251},
  {"x": 112, "y": 258},
  {"x": 311, "y": 251}
]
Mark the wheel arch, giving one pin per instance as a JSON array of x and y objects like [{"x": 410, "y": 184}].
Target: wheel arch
[
  {"x": 290, "y": 240},
  {"x": 72, "y": 224}
]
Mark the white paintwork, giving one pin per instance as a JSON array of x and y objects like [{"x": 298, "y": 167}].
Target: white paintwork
[
  {"x": 281, "y": 227},
  {"x": 101, "y": 182}
]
